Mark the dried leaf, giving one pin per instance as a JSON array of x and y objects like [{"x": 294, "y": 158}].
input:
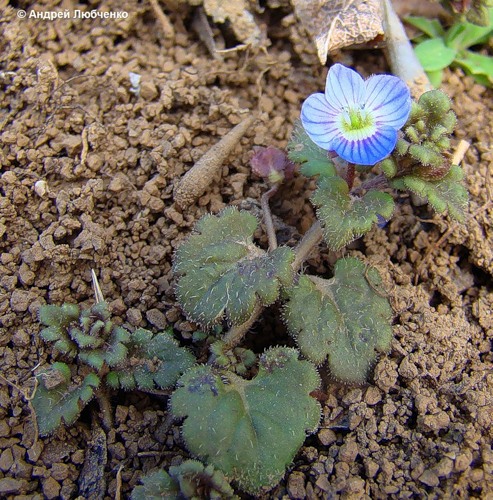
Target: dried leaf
[{"x": 335, "y": 24}]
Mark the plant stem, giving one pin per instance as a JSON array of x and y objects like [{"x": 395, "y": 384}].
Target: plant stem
[
  {"x": 269, "y": 225},
  {"x": 377, "y": 182},
  {"x": 309, "y": 241},
  {"x": 233, "y": 337},
  {"x": 105, "y": 407},
  {"x": 400, "y": 53}
]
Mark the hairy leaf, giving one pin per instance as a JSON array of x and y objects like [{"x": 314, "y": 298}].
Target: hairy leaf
[
  {"x": 190, "y": 479},
  {"x": 314, "y": 160},
  {"x": 446, "y": 194},
  {"x": 345, "y": 319},
  {"x": 250, "y": 429},
  {"x": 57, "y": 401},
  {"x": 345, "y": 218},
  {"x": 154, "y": 360},
  {"x": 155, "y": 486},
  {"x": 221, "y": 272}
]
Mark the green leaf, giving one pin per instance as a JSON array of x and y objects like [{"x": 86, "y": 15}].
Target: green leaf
[
  {"x": 464, "y": 35},
  {"x": 314, "y": 159},
  {"x": 434, "y": 55},
  {"x": 435, "y": 77},
  {"x": 345, "y": 218},
  {"x": 446, "y": 194},
  {"x": 344, "y": 320},
  {"x": 57, "y": 401},
  {"x": 477, "y": 65},
  {"x": 249, "y": 429},
  {"x": 221, "y": 272},
  {"x": 155, "y": 360},
  {"x": 430, "y": 27},
  {"x": 59, "y": 316},
  {"x": 190, "y": 479},
  {"x": 157, "y": 485}
]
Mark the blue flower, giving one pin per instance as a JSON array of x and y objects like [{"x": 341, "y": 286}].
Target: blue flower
[{"x": 356, "y": 118}]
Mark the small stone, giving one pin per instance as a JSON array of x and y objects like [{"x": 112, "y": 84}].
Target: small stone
[
  {"x": 26, "y": 276},
  {"x": 296, "y": 486},
  {"x": 371, "y": 468},
  {"x": 11, "y": 486},
  {"x": 327, "y": 436},
  {"x": 463, "y": 461},
  {"x": 51, "y": 488},
  {"x": 373, "y": 396},
  {"x": 20, "y": 300},
  {"x": 134, "y": 316},
  {"x": 429, "y": 478},
  {"x": 6, "y": 460},
  {"x": 156, "y": 318},
  {"x": 41, "y": 188},
  {"x": 352, "y": 397},
  {"x": 348, "y": 452},
  {"x": 435, "y": 423},
  {"x": 444, "y": 467},
  {"x": 148, "y": 90},
  {"x": 407, "y": 369}
]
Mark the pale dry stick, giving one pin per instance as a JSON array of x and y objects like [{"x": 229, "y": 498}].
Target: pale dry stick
[
  {"x": 98, "y": 294},
  {"x": 169, "y": 31},
  {"x": 400, "y": 53},
  {"x": 197, "y": 179},
  {"x": 85, "y": 147},
  {"x": 118, "y": 491}
]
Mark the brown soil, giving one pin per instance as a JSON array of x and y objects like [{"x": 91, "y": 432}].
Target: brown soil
[{"x": 88, "y": 171}]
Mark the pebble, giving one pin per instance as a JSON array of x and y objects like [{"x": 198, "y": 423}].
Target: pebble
[
  {"x": 296, "y": 486},
  {"x": 430, "y": 478},
  {"x": 51, "y": 488},
  {"x": 11, "y": 486},
  {"x": 156, "y": 318}
]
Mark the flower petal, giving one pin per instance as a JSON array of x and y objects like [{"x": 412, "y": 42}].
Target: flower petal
[
  {"x": 344, "y": 87},
  {"x": 319, "y": 121},
  {"x": 389, "y": 100},
  {"x": 367, "y": 151}
]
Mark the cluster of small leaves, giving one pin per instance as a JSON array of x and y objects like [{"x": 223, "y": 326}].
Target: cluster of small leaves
[
  {"x": 223, "y": 274},
  {"x": 191, "y": 479},
  {"x": 474, "y": 11},
  {"x": 342, "y": 215},
  {"x": 344, "y": 320},
  {"x": 438, "y": 48},
  {"x": 239, "y": 425},
  {"x": 238, "y": 359},
  {"x": 99, "y": 351},
  {"x": 421, "y": 162}
]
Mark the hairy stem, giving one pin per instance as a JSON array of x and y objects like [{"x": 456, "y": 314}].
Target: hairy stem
[
  {"x": 377, "y": 182},
  {"x": 304, "y": 248},
  {"x": 234, "y": 336},
  {"x": 269, "y": 225}
]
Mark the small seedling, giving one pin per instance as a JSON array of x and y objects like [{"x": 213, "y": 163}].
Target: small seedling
[
  {"x": 438, "y": 48},
  {"x": 99, "y": 354}
]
